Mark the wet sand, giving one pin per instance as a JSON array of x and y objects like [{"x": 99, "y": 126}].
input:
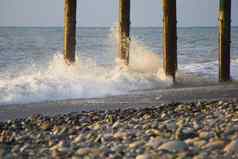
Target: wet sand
[{"x": 139, "y": 99}]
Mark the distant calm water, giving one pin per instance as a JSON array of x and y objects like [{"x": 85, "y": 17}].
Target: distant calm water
[{"x": 32, "y": 67}]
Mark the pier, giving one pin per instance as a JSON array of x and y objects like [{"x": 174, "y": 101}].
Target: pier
[
  {"x": 58, "y": 111},
  {"x": 170, "y": 63}
]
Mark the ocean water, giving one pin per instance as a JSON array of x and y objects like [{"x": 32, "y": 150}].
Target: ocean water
[{"x": 32, "y": 68}]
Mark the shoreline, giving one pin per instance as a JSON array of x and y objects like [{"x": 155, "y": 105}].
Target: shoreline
[
  {"x": 192, "y": 122},
  {"x": 140, "y": 99}
]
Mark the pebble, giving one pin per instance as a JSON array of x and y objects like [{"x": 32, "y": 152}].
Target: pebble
[
  {"x": 45, "y": 125},
  {"x": 87, "y": 151},
  {"x": 197, "y": 142},
  {"x": 152, "y": 132},
  {"x": 24, "y": 147},
  {"x": 202, "y": 155},
  {"x": 206, "y": 135},
  {"x": 185, "y": 133},
  {"x": 156, "y": 142},
  {"x": 120, "y": 135},
  {"x": 232, "y": 147},
  {"x": 116, "y": 125},
  {"x": 144, "y": 156},
  {"x": 135, "y": 144},
  {"x": 171, "y": 125},
  {"x": 78, "y": 139},
  {"x": 196, "y": 131},
  {"x": 83, "y": 151},
  {"x": 196, "y": 125},
  {"x": 174, "y": 146},
  {"x": 1, "y": 152},
  {"x": 216, "y": 144}
]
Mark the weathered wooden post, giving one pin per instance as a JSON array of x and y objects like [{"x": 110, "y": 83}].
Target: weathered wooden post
[
  {"x": 70, "y": 30},
  {"x": 170, "y": 38},
  {"x": 124, "y": 32},
  {"x": 224, "y": 40}
]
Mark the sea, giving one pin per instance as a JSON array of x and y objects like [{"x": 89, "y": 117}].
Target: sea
[{"x": 32, "y": 67}]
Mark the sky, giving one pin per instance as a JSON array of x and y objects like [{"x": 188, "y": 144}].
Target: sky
[{"x": 105, "y": 12}]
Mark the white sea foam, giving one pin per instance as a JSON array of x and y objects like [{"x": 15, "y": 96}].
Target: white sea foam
[
  {"x": 206, "y": 71},
  {"x": 142, "y": 59},
  {"x": 84, "y": 79}
]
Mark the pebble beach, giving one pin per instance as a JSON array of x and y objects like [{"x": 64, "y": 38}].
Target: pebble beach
[{"x": 200, "y": 130}]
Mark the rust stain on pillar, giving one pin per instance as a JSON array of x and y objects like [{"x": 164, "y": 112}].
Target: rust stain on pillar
[
  {"x": 124, "y": 31},
  {"x": 224, "y": 40},
  {"x": 70, "y": 30},
  {"x": 170, "y": 38}
]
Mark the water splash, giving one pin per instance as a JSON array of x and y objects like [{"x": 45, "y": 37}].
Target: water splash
[
  {"x": 142, "y": 59},
  {"x": 31, "y": 72},
  {"x": 84, "y": 79},
  {"x": 88, "y": 78}
]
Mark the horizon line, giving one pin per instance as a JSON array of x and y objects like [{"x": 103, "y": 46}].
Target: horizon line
[{"x": 35, "y": 26}]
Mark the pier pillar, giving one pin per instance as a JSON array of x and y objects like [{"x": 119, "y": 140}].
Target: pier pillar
[
  {"x": 124, "y": 32},
  {"x": 70, "y": 10},
  {"x": 224, "y": 40},
  {"x": 170, "y": 38}
]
